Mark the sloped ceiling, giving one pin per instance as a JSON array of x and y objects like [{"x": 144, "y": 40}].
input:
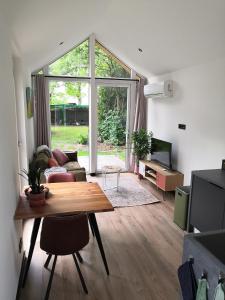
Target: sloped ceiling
[{"x": 173, "y": 34}]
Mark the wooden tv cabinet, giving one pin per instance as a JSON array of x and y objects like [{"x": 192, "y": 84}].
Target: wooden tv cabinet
[{"x": 166, "y": 180}]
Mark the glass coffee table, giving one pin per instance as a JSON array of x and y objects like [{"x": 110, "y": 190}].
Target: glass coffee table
[{"x": 111, "y": 169}]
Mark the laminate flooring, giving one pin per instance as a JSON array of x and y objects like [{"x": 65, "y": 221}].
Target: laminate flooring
[{"x": 143, "y": 248}]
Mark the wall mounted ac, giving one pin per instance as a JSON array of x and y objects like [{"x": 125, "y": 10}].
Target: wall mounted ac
[{"x": 159, "y": 89}]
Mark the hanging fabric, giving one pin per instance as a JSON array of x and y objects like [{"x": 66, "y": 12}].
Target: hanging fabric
[
  {"x": 202, "y": 291},
  {"x": 140, "y": 116},
  {"x": 42, "y": 135},
  {"x": 187, "y": 281},
  {"x": 219, "y": 292}
]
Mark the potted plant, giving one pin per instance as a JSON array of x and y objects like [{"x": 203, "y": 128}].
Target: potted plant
[
  {"x": 141, "y": 145},
  {"x": 36, "y": 192}
]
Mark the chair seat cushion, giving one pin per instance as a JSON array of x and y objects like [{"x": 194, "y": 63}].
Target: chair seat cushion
[
  {"x": 52, "y": 170},
  {"x": 61, "y": 177}
]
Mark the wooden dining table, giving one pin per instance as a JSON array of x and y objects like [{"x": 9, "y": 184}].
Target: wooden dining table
[{"x": 65, "y": 198}]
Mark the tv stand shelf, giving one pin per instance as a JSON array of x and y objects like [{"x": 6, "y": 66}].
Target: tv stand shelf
[{"x": 166, "y": 180}]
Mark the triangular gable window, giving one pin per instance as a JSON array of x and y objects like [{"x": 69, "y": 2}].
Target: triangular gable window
[
  {"x": 73, "y": 63},
  {"x": 107, "y": 65},
  {"x": 76, "y": 63}
]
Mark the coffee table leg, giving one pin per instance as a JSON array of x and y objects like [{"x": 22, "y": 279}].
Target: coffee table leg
[
  {"x": 105, "y": 180},
  {"x": 98, "y": 238},
  {"x": 31, "y": 250},
  {"x": 118, "y": 181}
]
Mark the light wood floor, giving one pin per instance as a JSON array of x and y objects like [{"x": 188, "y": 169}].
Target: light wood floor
[{"x": 143, "y": 249}]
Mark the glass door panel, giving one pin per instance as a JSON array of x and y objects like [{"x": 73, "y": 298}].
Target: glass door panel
[
  {"x": 112, "y": 112},
  {"x": 69, "y": 110}
]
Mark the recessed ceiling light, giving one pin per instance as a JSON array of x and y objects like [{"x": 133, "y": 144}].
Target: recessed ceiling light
[
  {"x": 140, "y": 50},
  {"x": 61, "y": 43}
]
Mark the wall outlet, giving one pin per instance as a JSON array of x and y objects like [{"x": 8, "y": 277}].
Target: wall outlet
[
  {"x": 182, "y": 126},
  {"x": 20, "y": 245}
]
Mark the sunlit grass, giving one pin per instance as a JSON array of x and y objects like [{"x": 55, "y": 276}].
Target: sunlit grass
[
  {"x": 62, "y": 135},
  {"x": 66, "y": 138}
]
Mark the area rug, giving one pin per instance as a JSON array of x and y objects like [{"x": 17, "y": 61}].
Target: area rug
[{"x": 130, "y": 192}]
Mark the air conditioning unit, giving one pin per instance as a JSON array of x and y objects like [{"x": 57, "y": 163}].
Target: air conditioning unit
[{"x": 159, "y": 89}]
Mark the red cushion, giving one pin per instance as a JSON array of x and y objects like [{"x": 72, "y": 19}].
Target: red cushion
[
  {"x": 52, "y": 162},
  {"x": 61, "y": 157},
  {"x": 61, "y": 177}
]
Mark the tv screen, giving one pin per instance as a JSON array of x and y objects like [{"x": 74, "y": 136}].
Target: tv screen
[{"x": 161, "y": 152}]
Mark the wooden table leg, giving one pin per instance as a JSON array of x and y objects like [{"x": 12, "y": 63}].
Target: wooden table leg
[
  {"x": 32, "y": 244},
  {"x": 98, "y": 238}
]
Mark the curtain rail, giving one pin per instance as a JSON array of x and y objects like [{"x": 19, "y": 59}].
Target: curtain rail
[
  {"x": 63, "y": 77},
  {"x": 75, "y": 77}
]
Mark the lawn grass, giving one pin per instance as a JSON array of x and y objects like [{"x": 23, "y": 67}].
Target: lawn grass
[
  {"x": 67, "y": 134},
  {"x": 120, "y": 154},
  {"x": 66, "y": 138}
]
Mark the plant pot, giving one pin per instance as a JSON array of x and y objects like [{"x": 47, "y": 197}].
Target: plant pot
[{"x": 36, "y": 200}]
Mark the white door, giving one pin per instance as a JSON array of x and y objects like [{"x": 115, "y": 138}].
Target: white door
[{"x": 113, "y": 127}]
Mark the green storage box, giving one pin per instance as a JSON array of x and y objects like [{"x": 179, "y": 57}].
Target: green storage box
[{"x": 181, "y": 206}]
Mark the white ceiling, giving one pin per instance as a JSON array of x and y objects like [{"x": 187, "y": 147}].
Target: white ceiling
[{"x": 172, "y": 33}]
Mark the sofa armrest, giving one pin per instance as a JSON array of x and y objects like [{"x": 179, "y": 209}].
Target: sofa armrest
[{"x": 72, "y": 155}]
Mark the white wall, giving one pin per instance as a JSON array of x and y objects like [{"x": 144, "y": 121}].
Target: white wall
[
  {"x": 9, "y": 230},
  {"x": 21, "y": 111},
  {"x": 29, "y": 122},
  {"x": 22, "y": 78},
  {"x": 198, "y": 102}
]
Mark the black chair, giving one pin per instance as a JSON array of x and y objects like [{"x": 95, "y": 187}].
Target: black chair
[{"x": 64, "y": 235}]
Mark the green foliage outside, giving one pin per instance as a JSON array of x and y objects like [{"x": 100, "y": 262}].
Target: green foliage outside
[
  {"x": 111, "y": 128},
  {"x": 74, "y": 63},
  {"x": 107, "y": 65},
  {"x": 69, "y": 138},
  {"x": 112, "y": 108},
  {"x": 82, "y": 139},
  {"x": 112, "y": 101},
  {"x": 66, "y": 137}
]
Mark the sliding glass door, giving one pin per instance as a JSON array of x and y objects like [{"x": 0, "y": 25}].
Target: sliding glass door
[
  {"x": 69, "y": 114},
  {"x": 113, "y": 106}
]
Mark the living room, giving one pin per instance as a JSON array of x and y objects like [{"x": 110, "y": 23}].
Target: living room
[{"x": 182, "y": 42}]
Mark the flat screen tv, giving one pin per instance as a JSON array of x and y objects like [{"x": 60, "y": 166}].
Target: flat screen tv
[{"x": 161, "y": 153}]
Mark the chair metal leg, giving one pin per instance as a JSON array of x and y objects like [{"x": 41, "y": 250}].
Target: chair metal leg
[
  {"x": 47, "y": 261},
  {"x": 79, "y": 257},
  {"x": 80, "y": 275},
  {"x": 50, "y": 279},
  {"x": 92, "y": 229}
]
